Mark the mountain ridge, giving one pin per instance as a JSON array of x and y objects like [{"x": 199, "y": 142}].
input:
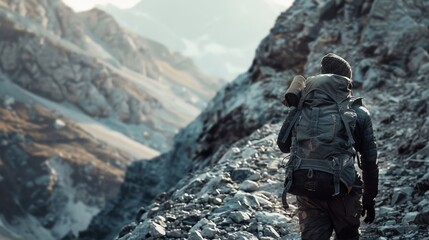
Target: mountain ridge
[
  {"x": 205, "y": 31},
  {"x": 77, "y": 108}
]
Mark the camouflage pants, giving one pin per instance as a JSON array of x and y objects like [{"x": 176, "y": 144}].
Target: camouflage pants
[{"x": 318, "y": 218}]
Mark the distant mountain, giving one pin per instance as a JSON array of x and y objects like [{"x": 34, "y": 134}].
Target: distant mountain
[
  {"x": 126, "y": 81},
  {"x": 221, "y": 36},
  {"x": 80, "y": 99}
]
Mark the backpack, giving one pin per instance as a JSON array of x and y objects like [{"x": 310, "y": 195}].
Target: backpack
[{"x": 318, "y": 134}]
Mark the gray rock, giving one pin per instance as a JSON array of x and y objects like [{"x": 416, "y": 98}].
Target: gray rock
[
  {"x": 383, "y": 211},
  {"x": 401, "y": 195},
  {"x": 246, "y": 199},
  {"x": 196, "y": 235},
  {"x": 217, "y": 201},
  {"x": 424, "y": 69},
  {"x": 326, "y": 9},
  {"x": 255, "y": 177},
  {"x": 273, "y": 219},
  {"x": 175, "y": 233},
  {"x": 271, "y": 232},
  {"x": 239, "y": 216},
  {"x": 422, "y": 218},
  {"x": 241, "y": 235},
  {"x": 249, "y": 186},
  {"x": 409, "y": 217},
  {"x": 372, "y": 79},
  {"x": 209, "y": 232},
  {"x": 418, "y": 57},
  {"x": 156, "y": 230}
]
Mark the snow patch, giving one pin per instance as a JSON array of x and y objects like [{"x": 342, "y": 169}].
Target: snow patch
[
  {"x": 76, "y": 215},
  {"x": 25, "y": 227}
]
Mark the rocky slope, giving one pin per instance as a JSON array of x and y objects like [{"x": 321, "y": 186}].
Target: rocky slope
[
  {"x": 80, "y": 98},
  {"x": 53, "y": 175},
  {"x": 130, "y": 83},
  {"x": 222, "y": 178}
]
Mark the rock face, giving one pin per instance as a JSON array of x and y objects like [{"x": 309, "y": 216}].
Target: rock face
[
  {"x": 54, "y": 175},
  {"x": 79, "y": 98},
  {"x": 108, "y": 73},
  {"x": 222, "y": 179}
]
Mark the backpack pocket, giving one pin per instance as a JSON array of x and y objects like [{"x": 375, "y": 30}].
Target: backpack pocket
[
  {"x": 328, "y": 128},
  {"x": 320, "y": 178}
]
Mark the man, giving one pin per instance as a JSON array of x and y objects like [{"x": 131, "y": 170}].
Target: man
[{"x": 306, "y": 134}]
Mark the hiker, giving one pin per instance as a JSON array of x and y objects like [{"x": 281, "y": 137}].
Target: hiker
[{"x": 325, "y": 132}]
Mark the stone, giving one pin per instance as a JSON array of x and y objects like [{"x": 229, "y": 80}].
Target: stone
[
  {"x": 156, "y": 230},
  {"x": 271, "y": 232},
  {"x": 409, "y": 217},
  {"x": 241, "y": 235},
  {"x": 209, "y": 232},
  {"x": 401, "y": 195},
  {"x": 217, "y": 201},
  {"x": 273, "y": 219},
  {"x": 175, "y": 233},
  {"x": 424, "y": 69},
  {"x": 246, "y": 199},
  {"x": 326, "y": 9},
  {"x": 59, "y": 124},
  {"x": 241, "y": 174},
  {"x": 126, "y": 229},
  {"x": 418, "y": 57},
  {"x": 422, "y": 218},
  {"x": 249, "y": 186},
  {"x": 239, "y": 216},
  {"x": 383, "y": 211},
  {"x": 195, "y": 235}
]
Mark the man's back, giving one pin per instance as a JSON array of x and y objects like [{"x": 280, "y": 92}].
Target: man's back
[{"x": 323, "y": 134}]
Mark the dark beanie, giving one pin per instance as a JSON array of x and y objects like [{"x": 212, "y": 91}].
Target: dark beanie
[{"x": 332, "y": 63}]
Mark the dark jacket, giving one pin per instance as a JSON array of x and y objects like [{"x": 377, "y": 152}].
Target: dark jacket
[{"x": 366, "y": 145}]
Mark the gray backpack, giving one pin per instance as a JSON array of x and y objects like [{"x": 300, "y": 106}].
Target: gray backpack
[{"x": 318, "y": 134}]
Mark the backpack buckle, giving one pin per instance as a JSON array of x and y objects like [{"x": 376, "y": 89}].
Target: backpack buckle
[{"x": 310, "y": 173}]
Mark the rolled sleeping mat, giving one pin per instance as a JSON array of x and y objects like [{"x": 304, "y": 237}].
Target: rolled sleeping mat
[{"x": 293, "y": 93}]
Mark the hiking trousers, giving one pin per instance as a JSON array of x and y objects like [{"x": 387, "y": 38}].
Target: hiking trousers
[{"x": 318, "y": 218}]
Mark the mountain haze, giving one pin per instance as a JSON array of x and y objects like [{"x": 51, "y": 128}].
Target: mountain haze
[{"x": 221, "y": 36}]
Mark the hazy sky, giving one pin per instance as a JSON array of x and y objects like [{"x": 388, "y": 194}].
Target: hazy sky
[{"x": 82, "y": 5}]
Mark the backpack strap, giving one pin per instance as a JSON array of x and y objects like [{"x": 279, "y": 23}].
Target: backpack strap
[
  {"x": 342, "y": 108},
  {"x": 293, "y": 163},
  {"x": 358, "y": 101},
  {"x": 337, "y": 169},
  {"x": 294, "y": 119}
]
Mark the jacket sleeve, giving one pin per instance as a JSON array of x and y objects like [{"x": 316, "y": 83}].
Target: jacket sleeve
[{"x": 367, "y": 147}]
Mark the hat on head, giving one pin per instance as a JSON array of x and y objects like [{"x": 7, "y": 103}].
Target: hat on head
[{"x": 332, "y": 63}]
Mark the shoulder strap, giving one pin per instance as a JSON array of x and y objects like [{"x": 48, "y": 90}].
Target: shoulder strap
[
  {"x": 294, "y": 119},
  {"x": 343, "y": 107}
]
